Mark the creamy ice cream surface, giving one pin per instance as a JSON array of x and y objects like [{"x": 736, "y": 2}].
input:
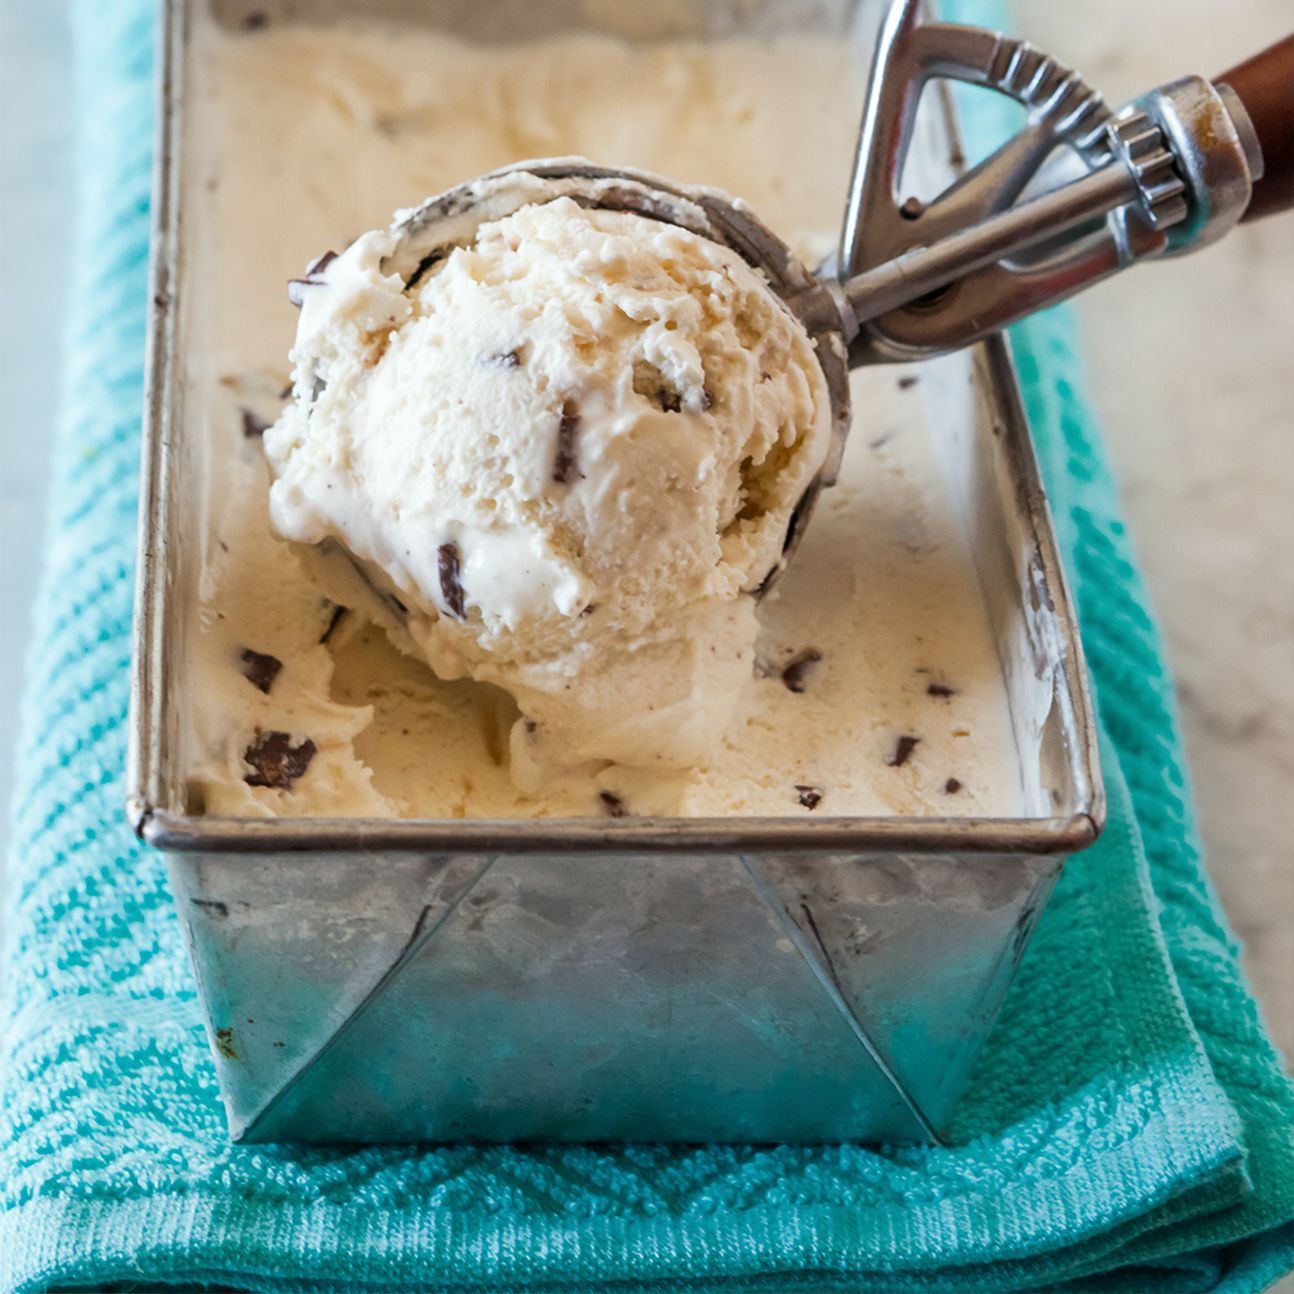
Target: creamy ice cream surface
[
  {"x": 875, "y": 687},
  {"x": 567, "y": 453}
]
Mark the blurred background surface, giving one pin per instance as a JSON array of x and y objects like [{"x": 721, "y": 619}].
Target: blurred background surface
[{"x": 1190, "y": 366}]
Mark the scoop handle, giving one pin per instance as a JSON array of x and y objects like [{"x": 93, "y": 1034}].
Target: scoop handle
[{"x": 1265, "y": 84}]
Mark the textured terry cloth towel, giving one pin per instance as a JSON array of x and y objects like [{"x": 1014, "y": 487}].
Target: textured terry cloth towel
[{"x": 1128, "y": 1128}]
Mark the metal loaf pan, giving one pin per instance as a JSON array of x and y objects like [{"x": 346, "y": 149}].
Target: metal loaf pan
[{"x": 634, "y": 979}]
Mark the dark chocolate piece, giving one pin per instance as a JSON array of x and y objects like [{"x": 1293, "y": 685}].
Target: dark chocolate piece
[
  {"x": 320, "y": 263},
  {"x": 903, "y": 751},
  {"x": 339, "y": 614},
  {"x": 275, "y": 761},
  {"x": 613, "y": 804},
  {"x": 451, "y": 586},
  {"x": 256, "y": 21},
  {"x": 952, "y": 786},
  {"x": 940, "y": 689},
  {"x": 907, "y": 383},
  {"x": 505, "y": 359},
  {"x": 254, "y": 426},
  {"x": 810, "y": 796},
  {"x": 225, "y": 1044},
  {"x": 565, "y": 467},
  {"x": 795, "y": 673},
  {"x": 313, "y": 277},
  {"x": 428, "y": 262},
  {"x": 260, "y": 669}
]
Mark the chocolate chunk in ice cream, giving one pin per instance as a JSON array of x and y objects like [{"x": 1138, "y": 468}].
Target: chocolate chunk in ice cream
[
  {"x": 254, "y": 426},
  {"x": 260, "y": 669},
  {"x": 334, "y": 621},
  {"x": 902, "y": 751},
  {"x": 449, "y": 564},
  {"x": 613, "y": 805},
  {"x": 809, "y": 796},
  {"x": 565, "y": 467},
  {"x": 313, "y": 277},
  {"x": 795, "y": 674},
  {"x": 428, "y": 262},
  {"x": 275, "y": 761}
]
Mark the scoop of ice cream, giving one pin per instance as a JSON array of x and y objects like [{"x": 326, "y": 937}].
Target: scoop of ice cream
[{"x": 564, "y": 457}]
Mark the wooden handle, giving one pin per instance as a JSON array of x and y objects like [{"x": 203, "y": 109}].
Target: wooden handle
[{"x": 1265, "y": 84}]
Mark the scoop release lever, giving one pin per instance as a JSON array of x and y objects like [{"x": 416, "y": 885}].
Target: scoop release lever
[{"x": 1080, "y": 193}]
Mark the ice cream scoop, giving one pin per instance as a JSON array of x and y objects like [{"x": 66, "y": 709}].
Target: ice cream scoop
[
  {"x": 1172, "y": 172},
  {"x": 564, "y": 443},
  {"x": 569, "y": 421}
]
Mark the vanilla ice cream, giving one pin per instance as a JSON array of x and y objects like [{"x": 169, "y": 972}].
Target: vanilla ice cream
[
  {"x": 876, "y": 687},
  {"x": 566, "y": 454}
]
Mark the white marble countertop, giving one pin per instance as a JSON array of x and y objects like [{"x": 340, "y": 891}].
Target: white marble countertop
[
  {"x": 1190, "y": 368},
  {"x": 35, "y": 211}
]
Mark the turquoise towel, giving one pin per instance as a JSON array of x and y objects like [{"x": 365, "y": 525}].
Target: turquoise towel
[{"x": 1129, "y": 1127}]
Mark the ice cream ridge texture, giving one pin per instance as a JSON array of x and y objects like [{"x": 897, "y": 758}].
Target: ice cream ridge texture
[{"x": 560, "y": 459}]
